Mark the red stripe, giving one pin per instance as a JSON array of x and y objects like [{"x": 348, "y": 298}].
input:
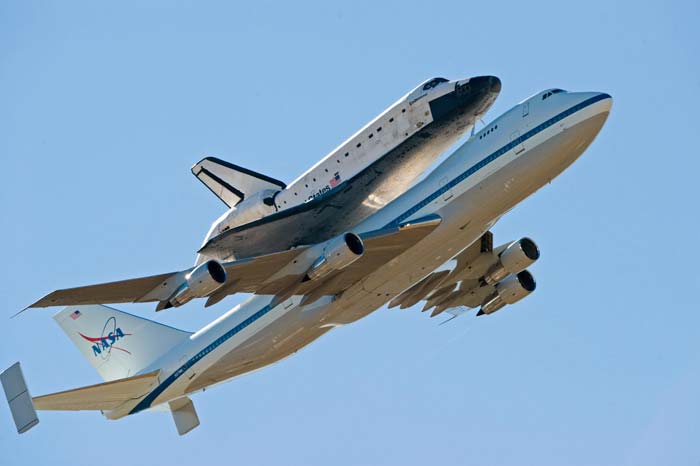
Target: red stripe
[{"x": 99, "y": 339}]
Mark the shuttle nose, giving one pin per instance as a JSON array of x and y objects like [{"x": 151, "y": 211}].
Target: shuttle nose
[
  {"x": 495, "y": 84},
  {"x": 479, "y": 84},
  {"x": 489, "y": 83}
]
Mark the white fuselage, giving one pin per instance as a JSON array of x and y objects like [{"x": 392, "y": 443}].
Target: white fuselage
[
  {"x": 498, "y": 167},
  {"x": 378, "y": 163},
  {"x": 391, "y": 128}
]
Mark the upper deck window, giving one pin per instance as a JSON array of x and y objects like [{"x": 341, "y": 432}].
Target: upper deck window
[{"x": 433, "y": 82}]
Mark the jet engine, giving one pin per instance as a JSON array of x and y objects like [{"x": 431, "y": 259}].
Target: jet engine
[
  {"x": 509, "y": 291},
  {"x": 338, "y": 253},
  {"x": 200, "y": 282},
  {"x": 516, "y": 257}
]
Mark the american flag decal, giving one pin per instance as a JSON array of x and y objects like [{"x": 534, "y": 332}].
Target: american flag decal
[
  {"x": 75, "y": 314},
  {"x": 335, "y": 181}
]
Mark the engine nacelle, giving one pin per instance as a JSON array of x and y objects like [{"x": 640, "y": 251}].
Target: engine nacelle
[
  {"x": 509, "y": 291},
  {"x": 338, "y": 253},
  {"x": 515, "y": 258},
  {"x": 202, "y": 281}
]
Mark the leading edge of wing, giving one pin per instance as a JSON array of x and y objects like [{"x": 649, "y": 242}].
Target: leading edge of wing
[
  {"x": 429, "y": 221},
  {"x": 144, "y": 289},
  {"x": 248, "y": 275},
  {"x": 261, "y": 275}
]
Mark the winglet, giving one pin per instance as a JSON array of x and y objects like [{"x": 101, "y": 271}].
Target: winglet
[{"x": 19, "y": 399}]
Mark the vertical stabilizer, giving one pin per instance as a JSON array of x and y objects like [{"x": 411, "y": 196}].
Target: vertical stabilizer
[
  {"x": 232, "y": 183},
  {"x": 117, "y": 344}
]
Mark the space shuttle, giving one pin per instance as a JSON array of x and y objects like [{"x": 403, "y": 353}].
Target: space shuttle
[{"x": 359, "y": 177}]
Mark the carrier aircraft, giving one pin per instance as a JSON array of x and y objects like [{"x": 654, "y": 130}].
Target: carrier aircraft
[{"x": 425, "y": 241}]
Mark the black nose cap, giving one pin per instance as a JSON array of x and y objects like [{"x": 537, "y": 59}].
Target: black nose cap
[
  {"x": 494, "y": 84},
  {"x": 488, "y": 83}
]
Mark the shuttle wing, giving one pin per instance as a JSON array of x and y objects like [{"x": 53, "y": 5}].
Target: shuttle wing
[{"x": 323, "y": 217}]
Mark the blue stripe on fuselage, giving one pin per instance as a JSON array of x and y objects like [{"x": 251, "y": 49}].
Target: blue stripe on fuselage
[
  {"x": 146, "y": 402},
  {"x": 503, "y": 150}
]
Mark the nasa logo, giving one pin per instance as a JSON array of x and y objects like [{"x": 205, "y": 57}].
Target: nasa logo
[{"x": 103, "y": 345}]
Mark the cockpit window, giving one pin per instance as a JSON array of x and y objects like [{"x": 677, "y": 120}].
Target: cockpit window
[
  {"x": 550, "y": 92},
  {"x": 433, "y": 82}
]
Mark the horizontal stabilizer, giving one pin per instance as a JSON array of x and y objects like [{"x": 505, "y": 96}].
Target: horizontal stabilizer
[
  {"x": 232, "y": 183},
  {"x": 103, "y": 396},
  {"x": 18, "y": 398}
]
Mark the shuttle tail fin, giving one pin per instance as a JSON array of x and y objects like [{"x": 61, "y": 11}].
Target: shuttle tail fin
[
  {"x": 117, "y": 344},
  {"x": 232, "y": 183}
]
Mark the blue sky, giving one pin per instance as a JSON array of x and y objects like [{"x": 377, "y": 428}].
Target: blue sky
[{"x": 105, "y": 106}]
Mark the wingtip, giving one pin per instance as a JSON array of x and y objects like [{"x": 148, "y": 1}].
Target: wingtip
[{"x": 21, "y": 311}]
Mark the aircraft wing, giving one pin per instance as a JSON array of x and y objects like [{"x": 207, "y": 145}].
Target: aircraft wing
[
  {"x": 144, "y": 289},
  {"x": 277, "y": 273},
  {"x": 103, "y": 396},
  {"x": 259, "y": 275}
]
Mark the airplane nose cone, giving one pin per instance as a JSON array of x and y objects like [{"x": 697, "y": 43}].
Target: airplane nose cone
[{"x": 606, "y": 100}]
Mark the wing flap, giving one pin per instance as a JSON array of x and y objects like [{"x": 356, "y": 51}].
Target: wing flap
[
  {"x": 104, "y": 396},
  {"x": 444, "y": 289}
]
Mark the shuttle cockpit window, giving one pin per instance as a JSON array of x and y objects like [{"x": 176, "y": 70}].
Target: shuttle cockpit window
[{"x": 433, "y": 82}]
